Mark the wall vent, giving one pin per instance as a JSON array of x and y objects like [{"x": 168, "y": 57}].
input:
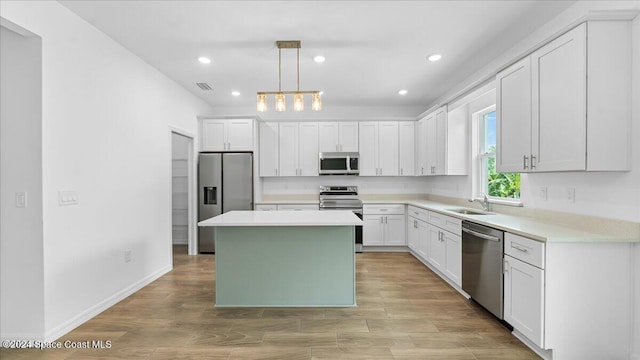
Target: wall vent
[{"x": 204, "y": 86}]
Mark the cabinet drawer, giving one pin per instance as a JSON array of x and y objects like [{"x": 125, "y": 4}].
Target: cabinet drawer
[
  {"x": 298, "y": 207},
  {"x": 418, "y": 213},
  {"x": 266, "y": 207},
  {"x": 445, "y": 222},
  {"x": 384, "y": 209},
  {"x": 527, "y": 250}
]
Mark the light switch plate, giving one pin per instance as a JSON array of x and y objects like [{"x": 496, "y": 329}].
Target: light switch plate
[
  {"x": 68, "y": 197},
  {"x": 571, "y": 194},
  {"x": 21, "y": 199}
]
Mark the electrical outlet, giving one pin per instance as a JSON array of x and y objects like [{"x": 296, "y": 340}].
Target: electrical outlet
[
  {"x": 127, "y": 256},
  {"x": 543, "y": 193},
  {"x": 571, "y": 194}
]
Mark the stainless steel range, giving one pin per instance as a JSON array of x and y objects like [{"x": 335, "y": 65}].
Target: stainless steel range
[{"x": 343, "y": 198}]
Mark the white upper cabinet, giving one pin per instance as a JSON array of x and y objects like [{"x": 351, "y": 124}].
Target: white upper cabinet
[
  {"x": 298, "y": 149},
  {"x": 406, "y": 148},
  {"x": 559, "y": 103},
  {"x": 544, "y": 100},
  {"x": 513, "y": 111},
  {"x": 268, "y": 148},
  {"x": 421, "y": 140},
  {"x": 227, "y": 135},
  {"x": 308, "y": 149},
  {"x": 338, "y": 136},
  {"x": 378, "y": 148},
  {"x": 442, "y": 144}
]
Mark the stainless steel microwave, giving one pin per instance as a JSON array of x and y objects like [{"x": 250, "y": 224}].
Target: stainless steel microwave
[{"x": 339, "y": 163}]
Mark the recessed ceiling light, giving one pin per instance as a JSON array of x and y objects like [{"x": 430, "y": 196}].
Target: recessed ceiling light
[
  {"x": 235, "y": 93},
  {"x": 204, "y": 60},
  {"x": 434, "y": 57},
  {"x": 321, "y": 92},
  {"x": 402, "y": 92},
  {"x": 319, "y": 59}
]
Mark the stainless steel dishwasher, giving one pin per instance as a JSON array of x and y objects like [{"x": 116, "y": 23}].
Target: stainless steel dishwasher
[{"x": 482, "y": 253}]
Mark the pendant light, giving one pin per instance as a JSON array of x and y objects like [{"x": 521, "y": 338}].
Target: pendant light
[{"x": 298, "y": 95}]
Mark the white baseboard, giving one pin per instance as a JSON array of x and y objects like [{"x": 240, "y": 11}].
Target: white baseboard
[
  {"x": 21, "y": 337},
  {"x": 442, "y": 276},
  {"x": 385, "y": 249},
  {"x": 545, "y": 354},
  {"x": 91, "y": 312}
]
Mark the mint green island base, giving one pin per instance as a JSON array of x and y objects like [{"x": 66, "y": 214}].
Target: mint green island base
[{"x": 270, "y": 266}]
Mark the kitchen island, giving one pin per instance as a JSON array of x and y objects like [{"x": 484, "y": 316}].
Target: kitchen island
[{"x": 284, "y": 258}]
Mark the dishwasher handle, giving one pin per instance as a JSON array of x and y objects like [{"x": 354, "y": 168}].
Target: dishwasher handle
[{"x": 480, "y": 235}]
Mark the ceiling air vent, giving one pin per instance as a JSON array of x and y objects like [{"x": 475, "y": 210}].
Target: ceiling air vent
[{"x": 204, "y": 86}]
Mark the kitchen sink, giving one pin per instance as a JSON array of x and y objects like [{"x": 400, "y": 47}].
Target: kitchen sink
[{"x": 468, "y": 212}]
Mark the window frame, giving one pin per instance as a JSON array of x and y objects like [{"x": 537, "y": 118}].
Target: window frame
[{"x": 481, "y": 184}]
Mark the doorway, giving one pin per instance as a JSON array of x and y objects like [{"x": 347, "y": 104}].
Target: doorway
[{"x": 182, "y": 187}]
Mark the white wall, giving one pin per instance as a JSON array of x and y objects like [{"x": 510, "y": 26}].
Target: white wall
[
  {"x": 106, "y": 118},
  {"x": 22, "y": 274}
]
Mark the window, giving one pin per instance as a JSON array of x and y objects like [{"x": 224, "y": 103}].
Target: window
[{"x": 495, "y": 185}]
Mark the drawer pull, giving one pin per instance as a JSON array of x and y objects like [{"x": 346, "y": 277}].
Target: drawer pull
[{"x": 526, "y": 251}]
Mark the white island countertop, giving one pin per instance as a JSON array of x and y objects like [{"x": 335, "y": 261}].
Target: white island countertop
[{"x": 284, "y": 218}]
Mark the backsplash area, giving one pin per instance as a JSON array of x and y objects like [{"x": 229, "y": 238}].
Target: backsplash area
[{"x": 366, "y": 185}]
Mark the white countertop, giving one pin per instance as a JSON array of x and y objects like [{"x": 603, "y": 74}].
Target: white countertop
[
  {"x": 537, "y": 229},
  {"x": 528, "y": 227},
  {"x": 284, "y": 218}
]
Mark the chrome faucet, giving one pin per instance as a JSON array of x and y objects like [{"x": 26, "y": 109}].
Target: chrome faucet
[{"x": 484, "y": 202}]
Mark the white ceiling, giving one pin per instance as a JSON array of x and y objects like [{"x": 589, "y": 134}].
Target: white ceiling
[{"x": 373, "y": 48}]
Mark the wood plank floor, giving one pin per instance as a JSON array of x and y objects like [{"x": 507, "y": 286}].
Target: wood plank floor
[{"x": 404, "y": 312}]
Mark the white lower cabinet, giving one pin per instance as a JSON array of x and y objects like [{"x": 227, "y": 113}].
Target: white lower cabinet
[
  {"x": 524, "y": 262},
  {"x": 444, "y": 242},
  {"x": 298, "y": 207},
  {"x": 289, "y": 207},
  {"x": 437, "y": 248},
  {"x": 384, "y": 225},
  {"x": 266, "y": 207},
  {"x": 453, "y": 257},
  {"x": 523, "y": 298}
]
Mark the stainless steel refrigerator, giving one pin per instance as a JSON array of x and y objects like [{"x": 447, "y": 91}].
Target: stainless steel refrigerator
[{"x": 225, "y": 183}]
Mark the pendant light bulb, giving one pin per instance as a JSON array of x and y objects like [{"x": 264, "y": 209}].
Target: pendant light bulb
[
  {"x": 281, "y": 104},
  {"x": 316, "y": 102},
  {"x": 298, "y": 102},
  {"x": 262, "y": 102}
]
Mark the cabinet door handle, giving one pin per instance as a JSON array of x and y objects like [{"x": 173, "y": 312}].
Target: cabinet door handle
[
  {"x": 506, "y": 267},
  {"x": 533, "y": 158},
  {"x": 526, "y": 251},
  {"x": 385, "y": 219},
  {"x": 381, "y": 219},
  {"x": 524, "y": 162},
  {"x": 422, "y": 171}
]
